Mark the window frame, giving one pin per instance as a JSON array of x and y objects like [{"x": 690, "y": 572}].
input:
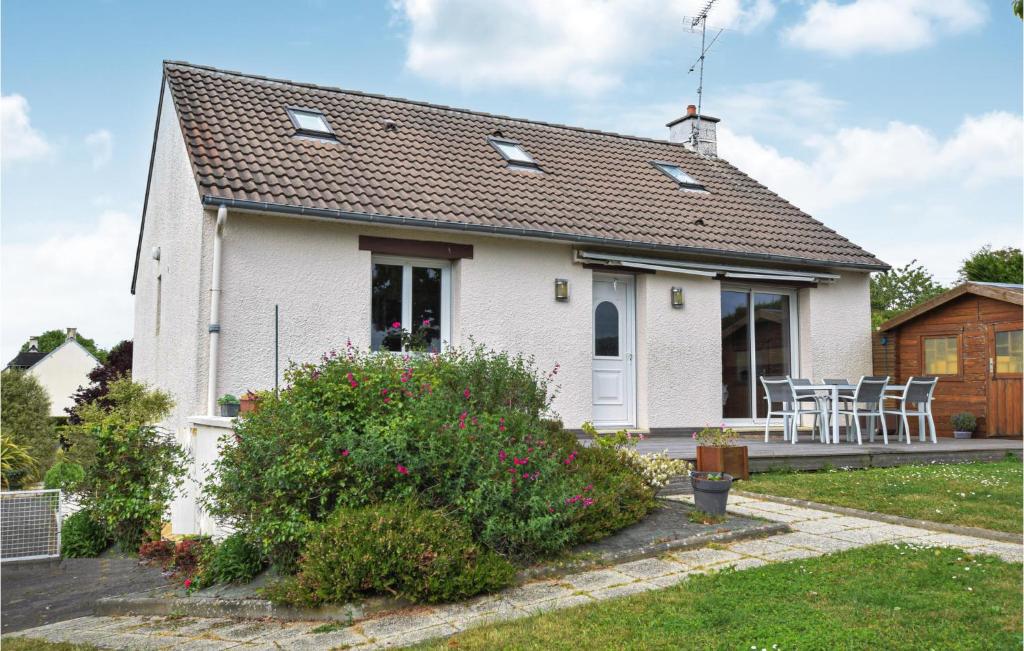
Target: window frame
[
  {"x": 660, "y": 165},
  {"x": 997, "y": 329},
  {"x": 407, "y": 264},
  {"x": 513, "y": 163},
  {"x": 959, "y": 354},
  {"x": 300, "y": 130}
]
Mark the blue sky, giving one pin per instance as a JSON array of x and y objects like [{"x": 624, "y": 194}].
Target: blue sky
[{"x": 896, "y": 122}]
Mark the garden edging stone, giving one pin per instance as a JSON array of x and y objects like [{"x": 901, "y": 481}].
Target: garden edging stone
[{"x": 975, "y": 532}]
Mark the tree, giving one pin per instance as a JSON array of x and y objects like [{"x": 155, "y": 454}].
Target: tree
[
  {"x": 117, "y": 365},
  {"x": 900, "y": 289},
  {"x": 998, "y": 266},
  {"x": 51, "y": 339},
  {"x": 25, "y": 421},
  {"x": 1018, "y": 9}
]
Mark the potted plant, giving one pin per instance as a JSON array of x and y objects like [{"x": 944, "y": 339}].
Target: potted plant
[
  {"x": 228, "y": 405},
  {"x": 250, "y": 403},
  {"x": 964, "y": 424},
  {"x": 710, "y": 491},
  {"x": 716, "y": 452}
]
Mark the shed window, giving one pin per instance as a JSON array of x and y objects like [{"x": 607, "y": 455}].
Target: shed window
[
  {"x": 677, "y": 173},
  {"x": 514, "y": 153},
  {"x": 941, "y": 355},
  {"x": 1010, "y": 352},
  {"x": 310, "y": 122}
]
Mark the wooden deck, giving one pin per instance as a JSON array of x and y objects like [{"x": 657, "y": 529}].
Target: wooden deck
[{"x": 814, "y": 456}]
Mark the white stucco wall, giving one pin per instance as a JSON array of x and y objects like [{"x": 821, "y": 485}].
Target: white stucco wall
[
  {"x": 62, "y": 372},
  {"x": 835, "y": 328},
  {"x": 679, "y": 352},
  {"x": 170, "y": 360}
]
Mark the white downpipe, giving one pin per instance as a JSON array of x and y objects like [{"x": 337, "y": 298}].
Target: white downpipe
[{"x": 214, "y": 328}]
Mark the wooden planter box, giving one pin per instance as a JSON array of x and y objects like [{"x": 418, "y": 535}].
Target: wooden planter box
[
  {"x": 731, "y": 460},
  {"x": 249, "y": 404}
]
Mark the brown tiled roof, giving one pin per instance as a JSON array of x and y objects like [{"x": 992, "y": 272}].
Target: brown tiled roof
[{"x": 434, "y": 166}]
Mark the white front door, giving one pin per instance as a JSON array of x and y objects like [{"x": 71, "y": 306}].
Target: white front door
[{"x": 613, "y": 366}]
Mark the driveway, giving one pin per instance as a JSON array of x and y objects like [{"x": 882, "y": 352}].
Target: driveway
[{"x": 34, "y": 593}]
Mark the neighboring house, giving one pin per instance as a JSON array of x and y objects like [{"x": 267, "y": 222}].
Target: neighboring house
[
  {"x": 663, "y": 281},
  {"x": 972, "y": 339},
  {"x": 61, "y": 371}
]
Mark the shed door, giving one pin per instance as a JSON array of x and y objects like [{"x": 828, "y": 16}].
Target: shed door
[{"x": 1005, "y": 367}]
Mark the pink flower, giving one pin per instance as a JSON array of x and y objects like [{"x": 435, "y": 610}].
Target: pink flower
[
  {"x": 396, "y": 324},
  {"x": 501, "y": 455},
  {"x": 344, "y": 453},
  {"x": 188, "y": 583},
  {"x": 520, "y": 462},
  {"x": 387, "y": 400},
  {"x": 465, "y": 394},
  {"x": 402, "y": 470},
  {"x": 426, "y": 322}
]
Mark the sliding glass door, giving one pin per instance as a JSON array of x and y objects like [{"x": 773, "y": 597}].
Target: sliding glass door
[{"x": 758, "y": 338}]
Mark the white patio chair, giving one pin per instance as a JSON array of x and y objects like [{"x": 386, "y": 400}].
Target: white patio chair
[
  {"x": 919, "y": 390},
  {"x": 780, "y": 390},
  {"x": 804, "y": 396},
  {"x": 867, "y": 401}
]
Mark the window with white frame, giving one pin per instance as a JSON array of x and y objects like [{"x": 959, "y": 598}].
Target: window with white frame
[{"x": 410, "y": 304}]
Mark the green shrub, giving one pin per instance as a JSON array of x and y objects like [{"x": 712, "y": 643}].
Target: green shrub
[
  {"x": 395, "y": 549},
  {"x": 233, "y": 560},
  {"x": 65, "y": 475},
  {"x": 132, "y": 468},
  {"x": 15, "y": 462},
  {"x": 82, "y": 536},
  {"x": 964, "y": 422},
  {"x": 25, "y": 421},
  {"x": 625, "y": 497},
  {"x": 463, "y": 431}
]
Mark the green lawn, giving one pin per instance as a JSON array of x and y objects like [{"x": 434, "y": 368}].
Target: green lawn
[
  {"x": 987, "y": 495},
  {"x": 880, "y": 597}
]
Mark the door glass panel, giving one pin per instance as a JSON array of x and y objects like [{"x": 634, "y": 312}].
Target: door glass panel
[
  {"x": 1010, "y": 351},
  {"x": 606, "y": 330},
  {"x": 426, "y": 308},
  {"x": 771, "y": 340},
  {"x": 735, "y": 354},
  {"x": 386, "y": 307}
]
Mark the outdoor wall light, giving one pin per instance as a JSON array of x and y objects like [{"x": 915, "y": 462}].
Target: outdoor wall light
[
  {"x": 677, "y": 297},
  {"x": 561, "y": 289}
]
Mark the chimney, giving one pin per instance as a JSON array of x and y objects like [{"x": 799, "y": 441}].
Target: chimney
[
  {"x": 72, "y": 334},
  {"x": 684, "y": 129},
  {"x": 33, "y": 344}
]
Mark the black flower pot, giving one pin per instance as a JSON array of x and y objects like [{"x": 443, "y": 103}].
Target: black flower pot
[
  {"x": 710, "y": 495},
  {"x": 229, "y": 410}
]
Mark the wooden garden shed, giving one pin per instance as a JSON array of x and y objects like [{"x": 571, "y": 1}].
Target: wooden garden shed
[{"x": 971, "y": 338}]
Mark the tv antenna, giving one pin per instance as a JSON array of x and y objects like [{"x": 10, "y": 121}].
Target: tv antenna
[{"x": 701, "y": 21}]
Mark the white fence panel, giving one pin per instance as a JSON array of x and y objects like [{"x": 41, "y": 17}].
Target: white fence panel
[{"x": 30, "y": 525}]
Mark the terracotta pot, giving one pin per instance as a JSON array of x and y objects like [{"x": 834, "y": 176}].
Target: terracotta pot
[
  {"x": 731, "y": 460},
  {"x": 249, "y": 405}
]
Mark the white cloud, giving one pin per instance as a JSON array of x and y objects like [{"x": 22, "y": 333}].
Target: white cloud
[
  {"x": 882, "y": 25},
  {"x": 101, "y": 144},
  {"x": 580, "y": 46},
  {"x": 18, "y": 139},
  {"x": 786, "y": 107},
  {"x": 75, "y": 276},
  {"x": 852, "y": 163}
]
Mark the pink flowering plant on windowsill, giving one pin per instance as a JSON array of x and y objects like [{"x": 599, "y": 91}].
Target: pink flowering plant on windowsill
[{"x": 467, "y": 432}]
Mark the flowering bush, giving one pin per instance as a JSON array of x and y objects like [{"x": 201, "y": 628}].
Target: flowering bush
[
  {"x": 462, "y": 431},
  {"x": 655, "y": 469},
  {"x": 715, "y": 437}
]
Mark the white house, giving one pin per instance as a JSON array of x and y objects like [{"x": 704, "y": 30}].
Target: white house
[
  {"x": 61, "y": 371},
  {"x": 662, "y": 279}
]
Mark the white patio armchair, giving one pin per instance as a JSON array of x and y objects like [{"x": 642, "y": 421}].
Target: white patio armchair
[
  {"x": 866, "y": 401},
  {"x": 919, "y": 391},
  {"x": 781, "y": 391},
  {"x": 820, "y": 402}
]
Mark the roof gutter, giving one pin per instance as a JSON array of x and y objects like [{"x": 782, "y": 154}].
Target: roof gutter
[{"x": 418, "y": 222}]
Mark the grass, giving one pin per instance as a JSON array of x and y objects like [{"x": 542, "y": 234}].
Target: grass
[
  {"x": 880, "y": 597},
  {"x": 22, "y": 644},
  {"x": 700, "y": 517},
  {"x": 986, "y": 495}
]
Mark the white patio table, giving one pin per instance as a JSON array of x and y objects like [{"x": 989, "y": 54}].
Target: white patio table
[{"x": 833, "y": 391}]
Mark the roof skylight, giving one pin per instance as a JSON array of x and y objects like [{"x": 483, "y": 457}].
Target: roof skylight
[
  {"x": 310, "y": 122},
  {"x": 681, "y": 177},
  {"x": 514, "y": 153}
]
